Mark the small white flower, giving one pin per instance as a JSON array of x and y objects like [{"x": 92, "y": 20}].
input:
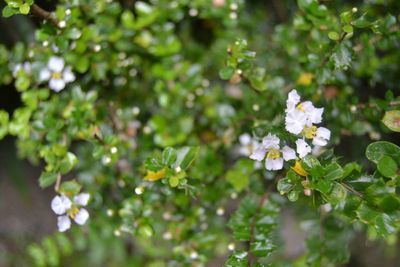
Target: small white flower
[
  {"x": 302, "y": 148},
  {"x": 270, "y": 151},
  {"x": 63, "y": 206},
  {"x": 56, "y": 74},
  {"x": 26, "y": 67},
  {"x": 247, "y": 144}
]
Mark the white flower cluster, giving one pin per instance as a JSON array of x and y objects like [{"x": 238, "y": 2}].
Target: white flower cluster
[
  {"x": 63, "y": 206},
  {"x": 57, "y": 74},
  {"x": 301, "y": 119}
]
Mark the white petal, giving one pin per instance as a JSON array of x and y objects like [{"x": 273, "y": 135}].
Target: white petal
[
  {"x": 27, "y": 67},
  {"x": 245, "y": 151},
  {"x": 66, "y": 202},
  {"x": 295, "y": 121},
  {"x": 288, "y": 153},
  {"x": 56, "y": 64},
  {"x": 68, "y": 75},
  {"x": 81, "y": 217},
  {"x": 16, "y": 69},
  {"x": 44, "y": 74},
  {"x": 271, "y": 141},
  {"x": 274, "y": 164},
  {"x": 317, "y": 150},
  {"x": 323, "y": 133},
  {"x": 302, "y": 148},
  {"x": 315, "y": 115},
  {"x": 58, "y": 206},
  {"x": 318, "y": 141},
  {"x": 56, "y": 84},
  {"x": 259, "y": 153},
  {"x": 82, "y": 199},
  {"x": 293, "y": 99},
  {"x": 245, "y": 139},
  {"x": 63, "y": 223}
]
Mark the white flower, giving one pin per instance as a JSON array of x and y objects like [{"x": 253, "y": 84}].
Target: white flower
[
  {"x": 270, "y": 151},
  {"x": 57, "y": 75},
  {"x": 63, "y": 206},
  {"x": 301, "y": 118},
  {"x": 247, "y": 144},
  {"x": 26, "y": 66},
  {"x": 302, "y": 148}
]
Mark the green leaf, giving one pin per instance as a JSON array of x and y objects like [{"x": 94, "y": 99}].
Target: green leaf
[
  {"x": 262, "y": 248},
  {"x": 226, "y": 73},
  {"x": 238, "y": 176},
  {"x": 169, "y": 156},
  {"x": 47, "y": 178},
  {"x": 22, "y": 83},
  {"x": 387, "y": 167},
  {"x": 153, "y": 164},
  {"x": 334, "y": 36},
  {"x": 24, "y": 8},
  {"x": 348, "y": 28},
  {"x": 174, "y": 181},
  {"x": 284, "y": 186},
  {"x": 377, "y": 150},
  {"x": 68, "y": 163},
  {"x": 337, "y": 194},
  {"x": 392, "y": 120},
  {"x": 324, "y": 186},
  {"x": 237, "y": 259},
  {"x": 4, "y": 119},
  {"x": 361, "y": 22},
  {"x": 185, "y": 157},
  {"x": 8, "y": 11},
  {"x": 309, "y": 162},
  {"x": 70, "y": 188},
  {"x": 341, "y": 57},
  {"x": 333, "y": 171}
]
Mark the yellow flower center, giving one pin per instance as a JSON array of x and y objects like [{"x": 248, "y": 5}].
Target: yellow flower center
[
  {"x": 300, "y": 107},
  {"x": 73, "y": 211},
  {"x": 56, "y": 75},
  {"x": 274, "y": 154},
  {"x": 310, "y": 131},
  {"x": 299, "y": 169}
]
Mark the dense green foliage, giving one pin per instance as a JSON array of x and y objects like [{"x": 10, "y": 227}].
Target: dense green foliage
[{"x": 148, "y": 116}]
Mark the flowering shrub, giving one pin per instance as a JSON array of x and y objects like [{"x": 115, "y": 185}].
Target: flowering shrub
[{"x": 180, "y": 123}]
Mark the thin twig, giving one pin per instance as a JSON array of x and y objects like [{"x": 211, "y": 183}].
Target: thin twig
[
  {"x": 43, "y": 14},
  {"x": 58, "y": 182}
]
